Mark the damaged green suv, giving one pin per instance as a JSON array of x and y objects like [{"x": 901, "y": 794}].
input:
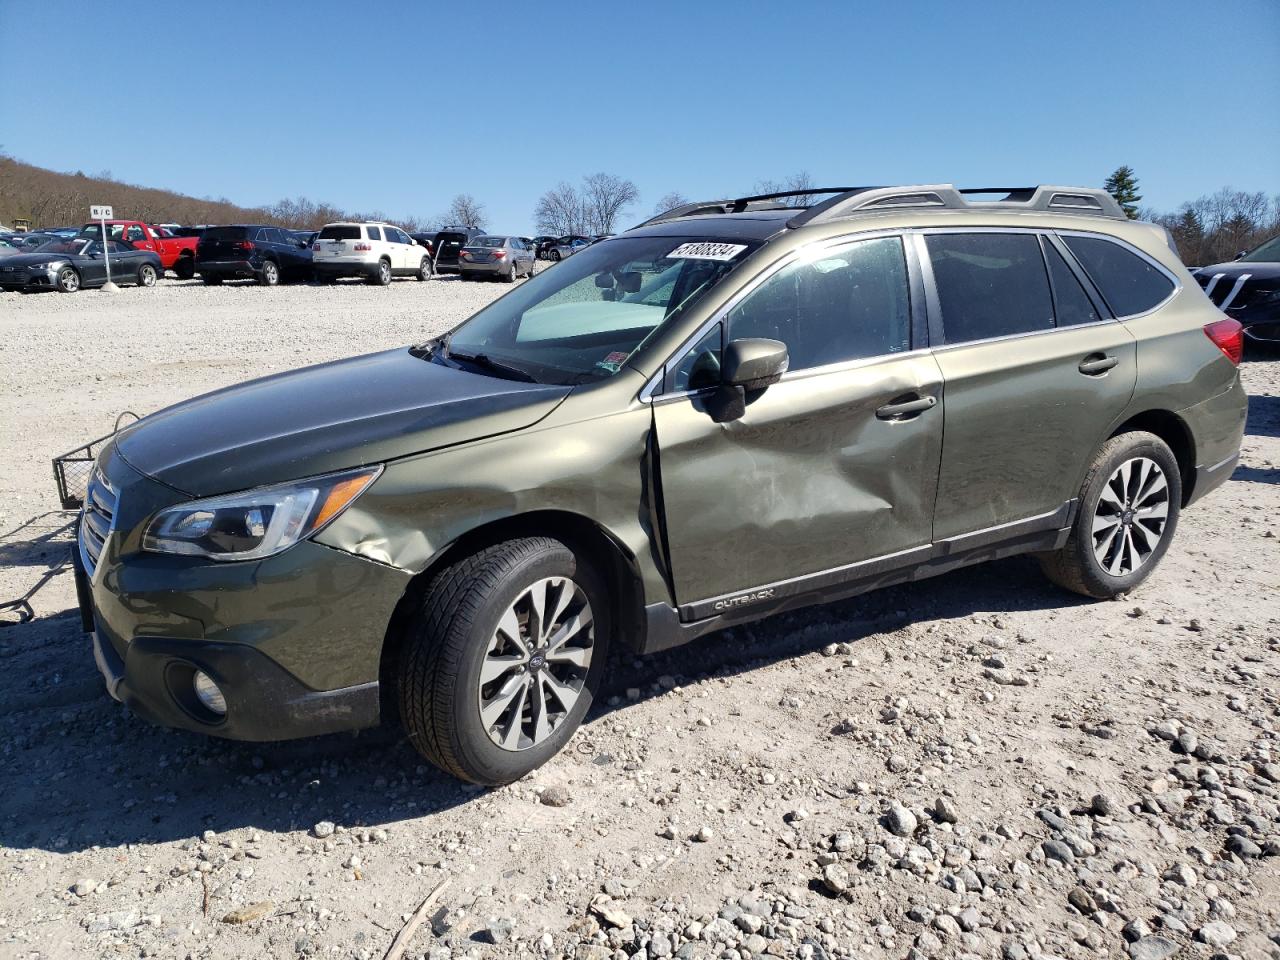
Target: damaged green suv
[{"x": 739, "y": 407}]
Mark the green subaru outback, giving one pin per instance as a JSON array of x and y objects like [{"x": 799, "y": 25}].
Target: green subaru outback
[{"x": 737, "y": 408}]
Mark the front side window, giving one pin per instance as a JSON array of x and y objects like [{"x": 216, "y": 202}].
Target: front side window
[
  {"x": 833, "y": 305},
  {"x": 583, "y": 320},
  {"x": 1269, "y": 252},
  {"x": 1126, "y": 281},
  {"x": 990, "y": 284}
]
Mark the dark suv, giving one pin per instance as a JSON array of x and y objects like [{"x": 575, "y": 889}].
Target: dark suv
[
  {"x": 270, "y": 255},
  {"x": 448, "y": 243},
  {"x": 735, "y": 409}
]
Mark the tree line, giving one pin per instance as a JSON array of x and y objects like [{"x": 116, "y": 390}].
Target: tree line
[{"x": 49, "y": 198}]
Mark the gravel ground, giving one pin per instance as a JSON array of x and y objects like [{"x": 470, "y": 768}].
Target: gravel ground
[{"x": 977, "y": 765}]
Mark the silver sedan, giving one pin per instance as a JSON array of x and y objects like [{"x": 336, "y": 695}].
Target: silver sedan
[{"x": 505, "y": 258}]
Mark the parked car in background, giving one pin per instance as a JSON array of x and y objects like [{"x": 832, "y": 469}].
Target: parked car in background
[
  {"x": 495, "y": 258},
  {"x": 176, "y": 253},
  {"x": 567, "y": 247},
  {"x": 188, "y": 231},
  {"x": 30, "y": 241},
  {"x": 1248, "y": 290},
  {"x": 539, "y": 245},
  {"x": 66, "y": 233},
  {"x": 78, "y": 263},
  {"x": 306, "y": 236},
  {"x": 6, "y": 247},
  {"x": 708, "y": 420},
  {"x": 427, "y": 241},
  {"x": 448, "y": 241},
  {"x": 550, "y": 243},
  {"x": 376, "y": 251},
  {"x": 269, "y": 255}
]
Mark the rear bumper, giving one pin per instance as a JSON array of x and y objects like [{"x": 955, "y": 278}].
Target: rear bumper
[
  {"x": 345, "y": 268},
  {"x": 497, "y": 268},
  {"x": 226, "y": 268}
]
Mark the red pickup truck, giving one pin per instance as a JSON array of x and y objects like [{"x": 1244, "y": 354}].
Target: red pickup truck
[{"x": 176, "y": 253}]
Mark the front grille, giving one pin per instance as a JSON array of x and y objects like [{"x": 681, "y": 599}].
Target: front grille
[{"x": 97, "y": 519}]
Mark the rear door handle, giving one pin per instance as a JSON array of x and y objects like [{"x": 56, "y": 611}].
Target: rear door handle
[
  {"x": 1096, "y": 363},
  {"x": 904, "y": 408}
]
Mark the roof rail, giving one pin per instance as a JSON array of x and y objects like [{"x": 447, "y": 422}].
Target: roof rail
[
  {"x": 1088, "y": 201},
  {"x": 761, "y": 201}
]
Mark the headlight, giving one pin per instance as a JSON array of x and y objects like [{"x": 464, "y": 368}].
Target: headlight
[{"x": 256, "y": 523}]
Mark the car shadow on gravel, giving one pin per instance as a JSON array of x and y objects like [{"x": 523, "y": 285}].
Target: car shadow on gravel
[
  {"x": 1264, "y": 416},
  {"x": 78, "y": 770}
]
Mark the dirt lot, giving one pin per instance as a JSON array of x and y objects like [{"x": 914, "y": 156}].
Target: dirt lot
[{"x": 977, "y": 765}]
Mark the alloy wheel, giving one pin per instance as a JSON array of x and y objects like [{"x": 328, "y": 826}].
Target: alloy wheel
[
  {"x": 148, "y": 276},
  {"x": 1130, "y": 517},
  {"x": 536, "y": 663},
  {"x": 69, "y": 280}
]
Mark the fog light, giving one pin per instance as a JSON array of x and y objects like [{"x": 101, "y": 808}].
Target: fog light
[{"x": 208, "y": 694}]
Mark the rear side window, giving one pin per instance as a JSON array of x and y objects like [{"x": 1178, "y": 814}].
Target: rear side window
[
  {"x": 1072, "y": 305},
  {"x": 1127, "y": 282},
  {"x": 375, "y": 233},
  {"x": 340, "y": 232},
  {"x": 990, "y": 284},
  {"x": 846, "y": 303}
]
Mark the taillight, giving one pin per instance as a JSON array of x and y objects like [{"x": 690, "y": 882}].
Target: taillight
[
  {"x": 1228, "y": 336},
  {"x": 464, "y": 253},
  {"x": 363, "y": 247},
  {"x": 243, "y": 245},
  {"x": 499, "y": 254}
]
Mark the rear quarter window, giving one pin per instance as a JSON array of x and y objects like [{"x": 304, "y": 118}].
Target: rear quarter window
[{"x": 1126, "y": 281}]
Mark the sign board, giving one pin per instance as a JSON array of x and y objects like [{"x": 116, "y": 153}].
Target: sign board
[
  {"x": 102, "y": 213},
  {"x": 98, "y": 212}
]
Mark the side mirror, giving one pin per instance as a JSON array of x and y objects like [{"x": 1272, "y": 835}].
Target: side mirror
[
  {"x": 302, "y": 244},
  {"x": 1241, "y": 254},
  {"x": 753, "y": 363}
]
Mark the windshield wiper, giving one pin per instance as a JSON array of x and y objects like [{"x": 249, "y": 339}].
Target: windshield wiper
[{"x": 497, "y": 366}]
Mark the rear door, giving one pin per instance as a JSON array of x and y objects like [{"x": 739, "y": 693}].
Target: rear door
[
  {"x": 1036, "y": 372},
  {"x": 825, "y": 468}
]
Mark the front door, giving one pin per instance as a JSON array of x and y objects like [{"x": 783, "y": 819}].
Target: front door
[
  {"x": 835, "y": 465},
  {"x": 1035, "y": 376}
]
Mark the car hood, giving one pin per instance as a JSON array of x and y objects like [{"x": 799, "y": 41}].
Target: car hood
[
  {"x": 1261, "y": 270},
  {"x": 348, "y": 413},
  {"x": 36, "y": 259}
]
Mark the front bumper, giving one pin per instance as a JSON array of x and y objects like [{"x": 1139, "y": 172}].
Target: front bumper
[
  {"x": 23, "y": 278},
  {"x": 294, "y": 641}
]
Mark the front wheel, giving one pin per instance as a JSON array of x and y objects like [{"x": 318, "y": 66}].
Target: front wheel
[
  {"x": 269, "y": 275},
  {"x": 68, "y": 280},
  {"x": 1128, "y": 512},
  {"x": 424, "y": 269},
  {"x": 502, "y": 659},
  {"x": 146, "y": 275}
]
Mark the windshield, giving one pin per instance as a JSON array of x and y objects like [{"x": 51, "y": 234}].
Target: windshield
[
  {"x": 80, "y": 245},
  {"x": 1269, "y": 252},
  {"x": 581, "y": 320}
]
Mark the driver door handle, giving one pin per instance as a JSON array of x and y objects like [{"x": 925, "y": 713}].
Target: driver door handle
[
  {"x": 1096, "y": 363},
  {"x": 906, "y": 407}
]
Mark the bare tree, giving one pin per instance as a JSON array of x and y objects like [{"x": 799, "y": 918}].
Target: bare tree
[
  {"x": 797, "y": 181},
  {"x": 466, "y": 210},
  {"x": 560, "y": 212},
  {"x": 670, "y": 202},
  {"x": 604, "y": 197}
]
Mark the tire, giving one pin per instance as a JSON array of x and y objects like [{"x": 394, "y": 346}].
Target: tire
[
  {"x": 424, "y": 269},
  {"x": 511, "y": 275},
  {"x": 456, "y": 633},
  {"x": 555, "y": 256},
  {"x": 269, "y": 275},
  {"x": 185, "y": 268},
  {"x": 68, "y": 280},
  {"x": 1121, "y": 483},
  {"x": 382, "y": 277},
  {"x": 146, "y": 275},
  {"x": 211, "y": 281}
]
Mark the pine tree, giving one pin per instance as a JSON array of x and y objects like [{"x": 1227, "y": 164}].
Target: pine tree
[{"x": 1123, "y": 185}]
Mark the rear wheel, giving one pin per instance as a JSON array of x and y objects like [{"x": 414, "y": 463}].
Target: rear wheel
[
  {"x": 503, "y": 658},
  {"x": 1129, "y": 504},
  {"x": 555, "y": 256},
  {"x": 68, "y": 280},
  {"x": 185, "y": 268},
  {"x": 269, "y": 275},
  {"x": 146, "y": 275},
  {"x": 424, "y": 269},
  {"x": 511, "y": 275},
  {"x": 382, "y": 276}
]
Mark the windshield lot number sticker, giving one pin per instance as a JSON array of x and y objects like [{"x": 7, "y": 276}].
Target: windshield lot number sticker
[{"x": 706, "y": 251}]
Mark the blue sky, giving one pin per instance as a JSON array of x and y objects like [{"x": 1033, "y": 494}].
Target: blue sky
[{"x": 399, "y": 106}]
